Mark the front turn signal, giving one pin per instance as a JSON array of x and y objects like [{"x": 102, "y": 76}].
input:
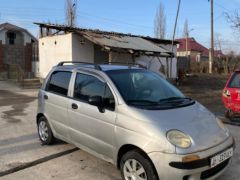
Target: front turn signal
[{"x": 190, "y": 158}]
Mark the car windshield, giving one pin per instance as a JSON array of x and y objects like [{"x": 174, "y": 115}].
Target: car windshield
[
  {"x": 235, "y": 81},
  {"x": 140, "y": 87}
]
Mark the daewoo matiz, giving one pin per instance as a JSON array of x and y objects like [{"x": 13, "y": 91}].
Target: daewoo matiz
[{"x": 134, "y": 119}]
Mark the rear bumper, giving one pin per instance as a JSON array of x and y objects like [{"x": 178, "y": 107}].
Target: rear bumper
[{"x": 162, "y": 162}]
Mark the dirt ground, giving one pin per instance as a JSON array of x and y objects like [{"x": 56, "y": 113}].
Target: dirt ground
[{"x": 206, "y": 89}]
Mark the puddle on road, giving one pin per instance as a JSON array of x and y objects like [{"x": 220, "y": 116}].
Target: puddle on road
[{"x": 18, "y": 103}]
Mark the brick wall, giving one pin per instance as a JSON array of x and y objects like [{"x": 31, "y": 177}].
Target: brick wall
[
  {"x": 14, "y": 54},
  {"x": 18, "y": 54}
]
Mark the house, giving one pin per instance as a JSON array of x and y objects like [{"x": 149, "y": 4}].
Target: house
[
  {"x": 62, "y": 43},
  {"x": 189, "y": 47},
  {"x": 18, "y": 52}
]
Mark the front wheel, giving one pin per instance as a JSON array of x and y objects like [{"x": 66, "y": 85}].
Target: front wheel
[
  {"x": 44, "y": 131},
  {"x": 229, "y": 114},
  {"x": 135, "y": 166}
]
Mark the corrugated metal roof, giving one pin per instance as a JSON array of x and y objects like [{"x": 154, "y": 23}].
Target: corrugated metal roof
[
  {"x": 114, "y": 41},
  {"x": 125, "y": 42}
]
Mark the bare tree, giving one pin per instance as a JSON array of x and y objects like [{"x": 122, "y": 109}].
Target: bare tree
[
  {"x": 185, "y": 29},
  {"x": 234, "y": 19},
  {"x": 218, "y": 41},
  {"x": 71, "y": 10},
  {"x": 160, "y": 22}
]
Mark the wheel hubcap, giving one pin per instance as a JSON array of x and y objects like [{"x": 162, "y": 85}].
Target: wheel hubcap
[
  {"x": 133, "y": 170},
  {"x": 43, "y": 130}
]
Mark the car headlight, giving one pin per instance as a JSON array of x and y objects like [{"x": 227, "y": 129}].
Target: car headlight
[
  {"x": 179, "y": 139},
  {"x": 226, "y": 93}
]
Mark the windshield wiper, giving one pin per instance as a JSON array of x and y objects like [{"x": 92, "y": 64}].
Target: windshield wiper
[
  {"x": 173, "y": 99},
  {"x": 141, "y": 101}
]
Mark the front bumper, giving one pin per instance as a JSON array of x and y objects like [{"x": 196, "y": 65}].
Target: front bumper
[
  {"x": 234, "y": 106},
  {"x": 163, "y": 164}
]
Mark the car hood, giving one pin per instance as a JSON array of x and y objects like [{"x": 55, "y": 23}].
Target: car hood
[{"x": 195, "y": 120}]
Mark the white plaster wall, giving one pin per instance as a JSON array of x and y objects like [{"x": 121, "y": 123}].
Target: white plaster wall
[
  {"x": 83, "y": 49},
  {"x": 27, "y": 38},
  {"x": 153, "y": 64},
  {"x": 52, "y": 50},
  {"x": 35, "y": 68},
  {"x": 2, "y": 36},
  {"x": 68, "y": 47}
]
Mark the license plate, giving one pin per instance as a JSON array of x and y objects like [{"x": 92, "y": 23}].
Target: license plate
[{"x": 221, "y": 157}]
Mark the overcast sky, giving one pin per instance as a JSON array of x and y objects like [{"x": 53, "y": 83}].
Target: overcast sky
[{"x": 129, "y": 16}]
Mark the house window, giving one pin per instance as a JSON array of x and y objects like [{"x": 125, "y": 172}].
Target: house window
[
  {"x": 11, "y": 38},
  {"x": 198, "y": 58}
]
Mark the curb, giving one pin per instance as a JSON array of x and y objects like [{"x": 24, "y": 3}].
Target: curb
[{"x": 36, "y": 162}]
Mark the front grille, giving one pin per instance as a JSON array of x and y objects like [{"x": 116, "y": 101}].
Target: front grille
[{"x": 213, "y": 171}]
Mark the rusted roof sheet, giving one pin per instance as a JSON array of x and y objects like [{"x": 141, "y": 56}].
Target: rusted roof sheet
[
  {"x": 115, "y": 41},
  {"x": 125, "y": 42}
]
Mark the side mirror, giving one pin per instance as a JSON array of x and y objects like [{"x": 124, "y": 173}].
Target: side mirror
[{"x": 97, "y": 101}]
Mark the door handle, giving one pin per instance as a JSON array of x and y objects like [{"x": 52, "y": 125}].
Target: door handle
[
  {"x": 74, "y": 106},
  {"x": 45, "y": 96}
]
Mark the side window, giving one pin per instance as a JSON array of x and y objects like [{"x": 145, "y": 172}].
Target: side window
[
  {"x": 59, "y": 82},
  {"x": 88, "y": 86}
]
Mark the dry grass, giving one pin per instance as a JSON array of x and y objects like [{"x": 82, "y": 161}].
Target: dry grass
[{"x": 206, "y": 89}]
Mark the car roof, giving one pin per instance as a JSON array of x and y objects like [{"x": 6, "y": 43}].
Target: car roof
[{"x": 100, "y": 67}]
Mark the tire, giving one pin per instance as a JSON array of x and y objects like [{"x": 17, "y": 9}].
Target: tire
[
  {"x": 44, "y": 131},
  {"x": 143, "y": 168},
  {"x": 229, "y": 114},
  {"x": 226, "y": 114}
]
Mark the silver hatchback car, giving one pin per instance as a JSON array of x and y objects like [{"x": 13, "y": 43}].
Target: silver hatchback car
[{"x": 134, "y": 119}]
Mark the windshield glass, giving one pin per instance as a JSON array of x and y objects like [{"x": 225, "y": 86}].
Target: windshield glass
[
  {"x": 235, "y": 81},
  {"x": 145, "y": 88}
]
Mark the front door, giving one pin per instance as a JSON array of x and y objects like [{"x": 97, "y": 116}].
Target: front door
[{"x": 91, "y": 128}]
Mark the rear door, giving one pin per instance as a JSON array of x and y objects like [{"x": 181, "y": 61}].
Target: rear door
[
  {"x": 89, "y": 127},
  {"x": 56, "y": 101}
]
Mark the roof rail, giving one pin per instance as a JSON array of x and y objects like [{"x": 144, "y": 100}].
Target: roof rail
[
  {"x": 96, "y": 66},
  {"x": 122, "y": 63}
]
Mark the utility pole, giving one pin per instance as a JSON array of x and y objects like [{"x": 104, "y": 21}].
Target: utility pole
[
  {"x": 211, "y": 57},
  {"x": 174, "y": 32}
]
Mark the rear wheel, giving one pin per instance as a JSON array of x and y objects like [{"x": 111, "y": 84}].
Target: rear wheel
[
  {"x": 44, "y": 131},
  {"x": 135, "y": 166}
]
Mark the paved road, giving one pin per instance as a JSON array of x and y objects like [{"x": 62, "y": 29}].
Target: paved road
[
  {"x": 18, "y": 138},
  {"x": 19, "y": 145}
]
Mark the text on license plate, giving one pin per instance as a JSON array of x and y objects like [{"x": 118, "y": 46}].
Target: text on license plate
[{"x": 221, "y": 157}]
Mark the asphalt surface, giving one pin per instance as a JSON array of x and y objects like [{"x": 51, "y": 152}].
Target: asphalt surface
[{"x": 23, "y": 157}]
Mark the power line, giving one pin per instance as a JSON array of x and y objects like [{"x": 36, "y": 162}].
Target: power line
[
  {"x": 221, "y": 6},
  {"x": 116, "y": 21}
]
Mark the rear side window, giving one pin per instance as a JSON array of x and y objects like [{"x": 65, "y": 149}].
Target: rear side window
[
  {"x": 235, "y": 81},
  {"x": 88, "y": 86},
  {"x": 59, "y": 82}
]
